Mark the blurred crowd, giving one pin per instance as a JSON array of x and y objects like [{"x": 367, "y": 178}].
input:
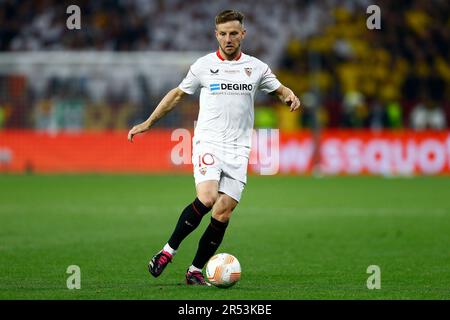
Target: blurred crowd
[
  {"x": 130, "y": 25},
  {"x": 346, "y": 75},
  {"x": 398, "y": 76}
]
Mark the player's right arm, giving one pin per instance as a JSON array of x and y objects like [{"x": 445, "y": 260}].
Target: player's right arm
[{"x": 169, "y": 101}]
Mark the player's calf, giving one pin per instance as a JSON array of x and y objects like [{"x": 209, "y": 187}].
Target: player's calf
[
  {"x": 209, "y": 242},
  {"x": 189, "y": 220}
]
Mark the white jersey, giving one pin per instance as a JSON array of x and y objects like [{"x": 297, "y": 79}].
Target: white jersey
[{"x": 227, "y": 94}]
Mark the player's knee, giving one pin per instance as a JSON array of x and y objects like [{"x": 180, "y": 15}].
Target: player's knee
[
  {"x": 222, "y": 215},
  {"x": 223, "y": 209},
  {"x": 227, "y": 204},
  {"x": 208, "y": 198}
]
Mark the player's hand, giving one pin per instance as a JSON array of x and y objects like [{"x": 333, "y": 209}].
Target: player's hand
[
  {"x": 136, "y": 130},
  {"x": 293, "y": 102}
]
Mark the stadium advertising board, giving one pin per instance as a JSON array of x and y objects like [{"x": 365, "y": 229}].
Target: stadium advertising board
[{"x": 340, "y": 152}]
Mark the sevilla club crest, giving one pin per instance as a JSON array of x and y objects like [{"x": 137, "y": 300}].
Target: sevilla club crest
[{"x": 248, "y": 71}]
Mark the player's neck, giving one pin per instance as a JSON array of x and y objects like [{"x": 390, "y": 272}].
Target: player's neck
[{"x": 224, "y": 57}]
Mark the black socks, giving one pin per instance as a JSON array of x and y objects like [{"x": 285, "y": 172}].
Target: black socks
[
  {"x": 211, "y": 239},
  {"x": 209, "y": 242},
  {"x": 189, "y": 220}
]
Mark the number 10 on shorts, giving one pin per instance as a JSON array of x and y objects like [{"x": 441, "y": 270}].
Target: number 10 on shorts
[{"x": 206, "y": 159}]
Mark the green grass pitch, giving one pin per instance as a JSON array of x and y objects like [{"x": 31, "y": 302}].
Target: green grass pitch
[{"x": 296, "y": 237}]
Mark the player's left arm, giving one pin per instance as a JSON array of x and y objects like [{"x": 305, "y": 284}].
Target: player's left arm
[{"x": 288, "y": 97}]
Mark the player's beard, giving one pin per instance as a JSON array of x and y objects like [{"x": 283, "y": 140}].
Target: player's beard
[{"x": 233, "y": 54}]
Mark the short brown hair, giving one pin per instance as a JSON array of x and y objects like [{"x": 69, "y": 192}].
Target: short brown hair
[{"x": 229, "y": 15}]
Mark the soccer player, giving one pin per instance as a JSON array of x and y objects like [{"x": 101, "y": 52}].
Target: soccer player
[{"x": 228, "y": 79}]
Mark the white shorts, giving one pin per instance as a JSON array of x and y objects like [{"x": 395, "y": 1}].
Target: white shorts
[{"x": 228, "y": 169}]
